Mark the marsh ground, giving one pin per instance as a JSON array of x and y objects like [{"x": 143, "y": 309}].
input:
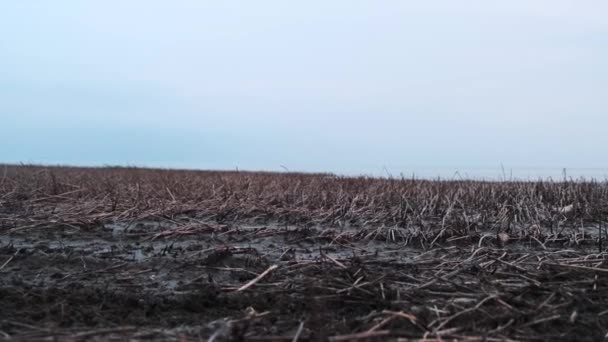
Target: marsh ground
[{"x": 118, "y": 255}]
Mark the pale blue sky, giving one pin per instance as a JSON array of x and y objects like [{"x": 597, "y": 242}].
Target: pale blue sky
[{"x": 342, "y": 86}]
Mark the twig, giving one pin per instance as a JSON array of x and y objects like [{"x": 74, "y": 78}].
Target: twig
[
  {"x": 360, "y": 336},
  {"x": 447, "y": 320},
  {"x": 57, "y": 196},
  {"x": 297, "y": 335},
  {"x": 9, "y": 260},
  {"x": 105, "y": 331},
  {"x": 341, "y": 265},
  {"x": 171, "y": 194},
  {"x": 258, "y": 278},
  {"x": 541, "y": 320},
  {"x": 587, "y": 268}
]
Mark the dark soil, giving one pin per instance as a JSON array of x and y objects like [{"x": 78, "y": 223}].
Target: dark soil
[{"x": 135, "y": 282}]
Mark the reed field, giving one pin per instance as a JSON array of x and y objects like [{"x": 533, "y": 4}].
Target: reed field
[{"x": 125, "y": 253}]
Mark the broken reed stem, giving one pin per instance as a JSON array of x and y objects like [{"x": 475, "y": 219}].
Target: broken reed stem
[
  {"x": 298, "y": 332},
  {"x": 258, "y": 278}
]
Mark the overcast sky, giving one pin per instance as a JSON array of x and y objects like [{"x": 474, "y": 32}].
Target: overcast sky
[{"x": 343, "y": 86}]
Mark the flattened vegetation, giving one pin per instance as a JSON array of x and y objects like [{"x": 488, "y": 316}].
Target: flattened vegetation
[{"x": 98, "y": 254}]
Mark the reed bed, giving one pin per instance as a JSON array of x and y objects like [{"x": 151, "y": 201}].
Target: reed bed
[
  {"x": 147, "y": 254},
  {"x": 33, "y": 195}
]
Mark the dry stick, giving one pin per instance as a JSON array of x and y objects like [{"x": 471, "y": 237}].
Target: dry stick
[
  {"x": 360, "y": 336},
  {"x": 482, "y": 238},
  {"x": 256, "y": 279},
  {"x": 442, "y": 277},
  {"x": 35, "y": 225},
  {"x": 447, "y": 332},
  {"x": 463, "y": 312},
  {"x": 596, "y": 269},
  {"x": 470, "y": 338},
  {"x": 512, "y": 265},
  {"x": 393, "y": 315},
  {"x": 170, "y": 193},
  {"x": 357, "y": 286},
  {"x": 546, "y": 301},
  {"x": 57, "y": 196},
  {"x": 5, "y": 335},
  {"x": 267, "y": 338},
  {"x": 600, "y": 242},
  {"x": 381, "y": 324},
  {"x": 402, "y": 314},
  {"x": 27, "y": 326},
  {"x": 540, "y": 243},
  {"x": 299, "y": 332},
  {"x": 103, "y": 332},
  {"x": 341, "y": 265},
  {"x": 9, "y": 260},
  {"x": 541, "y": 320},
  {"x": 502, "y": 327}
]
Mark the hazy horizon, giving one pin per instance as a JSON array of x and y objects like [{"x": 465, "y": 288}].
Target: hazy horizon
[{"x": 349, "y": 87}]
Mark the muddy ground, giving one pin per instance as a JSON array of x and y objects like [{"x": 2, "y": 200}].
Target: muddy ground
[{"x": 194, "y": 279}]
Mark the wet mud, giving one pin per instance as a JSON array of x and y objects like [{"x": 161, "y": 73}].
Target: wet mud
[{"x": 200, "y": 280}]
